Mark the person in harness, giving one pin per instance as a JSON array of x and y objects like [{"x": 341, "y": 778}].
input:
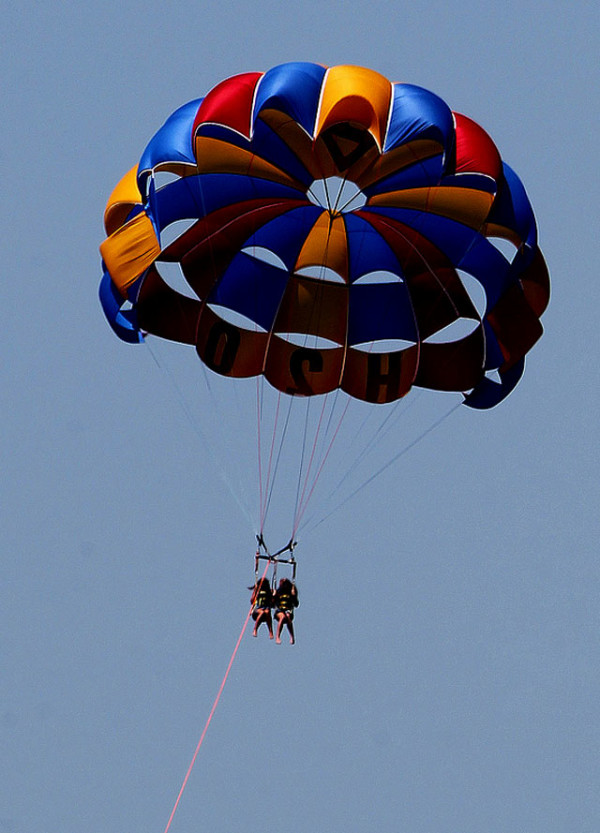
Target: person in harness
[
  {"x": 262, "y": 601},
  {"x": 284, "y": 602}
]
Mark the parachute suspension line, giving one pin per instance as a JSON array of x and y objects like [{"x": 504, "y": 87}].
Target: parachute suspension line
[
  {"x": 303, "y": 478},
  {"x": 259, "y": 454},
  {"x": 218, "y": 409},
  {"x": 265, "y": 497},
  {"x": 327, "y": 196},
  {"x": 334, "y": 398},
  {"x": 206, "y": 445},
  {"x": 243, "y": 505},
  {"x": 359, "y": 434},
  {"x": 389, "y": 423},
  {"x": 301, "y": 467},
  {"x": 336, "y": 206},
  {"x": 273, "y": 436},
  {"x": 386, "y": 466},
  {"x": 333, "y": 196},
  {"x": 348, "y": 201},
  {"x": 300, "y": 511},
  {"x": 212, "y": 711},
  {"x": 392, "y": 418},
  {"x": 311, "y": 459},
  {"x": 279, "y": 452}
]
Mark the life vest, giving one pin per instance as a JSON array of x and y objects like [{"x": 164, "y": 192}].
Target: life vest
[
  {"x": 263, "y": 598},
  {"x": 285, "y": 601}
]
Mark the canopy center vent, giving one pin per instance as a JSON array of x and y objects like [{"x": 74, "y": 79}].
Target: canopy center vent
[{"x": 336, "y": 195}]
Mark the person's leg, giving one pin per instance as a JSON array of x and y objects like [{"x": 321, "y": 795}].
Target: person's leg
[
  {"x": 280, "y": 621},
  {"x": 262, "y": 616}
]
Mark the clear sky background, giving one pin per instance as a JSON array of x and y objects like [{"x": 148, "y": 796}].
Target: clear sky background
[{"x": 446, "y": 675}]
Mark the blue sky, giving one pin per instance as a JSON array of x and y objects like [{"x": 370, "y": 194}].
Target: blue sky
[{"x": 446, "y": 672}]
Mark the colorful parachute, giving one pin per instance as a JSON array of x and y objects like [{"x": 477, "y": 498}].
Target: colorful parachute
[{"x": 335, "y": 230}]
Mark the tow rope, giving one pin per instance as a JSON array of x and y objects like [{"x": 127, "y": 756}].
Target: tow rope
[{"x": 210, "y": 716}]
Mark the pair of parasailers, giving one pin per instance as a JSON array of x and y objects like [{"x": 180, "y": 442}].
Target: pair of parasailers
[{"x": 284, "y": 600}]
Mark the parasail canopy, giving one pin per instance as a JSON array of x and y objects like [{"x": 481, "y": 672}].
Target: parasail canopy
[{"x": 332, "y": 229}]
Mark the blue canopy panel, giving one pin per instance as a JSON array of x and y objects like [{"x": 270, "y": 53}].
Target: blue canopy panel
[
  {"x": 380, "y": 312},
  {"x": 179, "y": 200},
  {"x": 367, "y": 250},
  {"x": 286, "y": 234},
  {"x": 490, "y": 267},
  {"x": 293, "y": 88},
  {"x": 512, "y": 209},
  {"x": 466, "y": 249},
  {"x": 268, "y": 145},
  {"x": 417, "y": 113},
  {"x": 452, "y": 238},
  {"x": 251, "y": 288},
  {"x": 123, "y": 322},
  {"x": 488, "y": 393},
  {"x": 265, "y": 142},
  {"x": 172, "y": 143},
  {"x": 194, "y": 197},
  {"x": 424, "y": 173}
]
